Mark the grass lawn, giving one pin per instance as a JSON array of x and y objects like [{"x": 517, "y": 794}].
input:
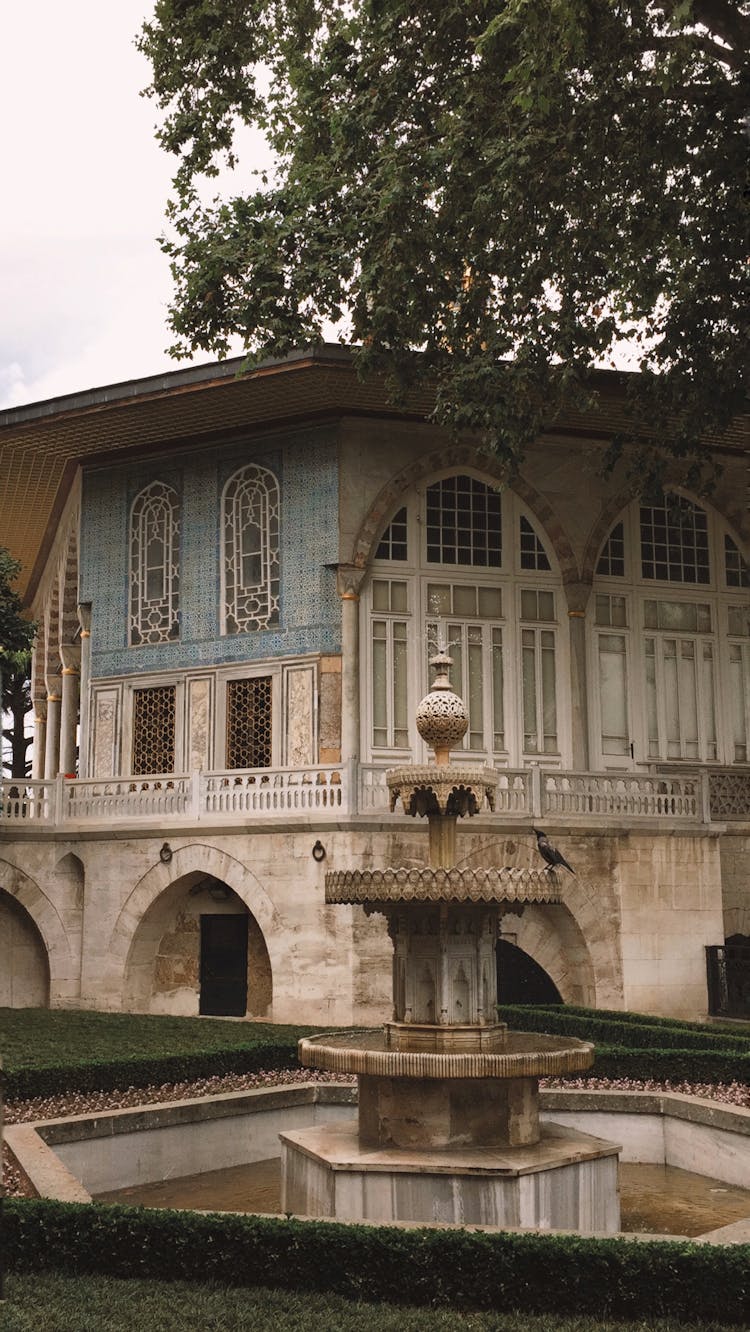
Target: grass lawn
[
  {"x": 47, "y": 1038},
  {"x": 97, "y": 1304}
]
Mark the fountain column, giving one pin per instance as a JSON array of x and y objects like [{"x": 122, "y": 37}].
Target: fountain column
[{"x": 448, "y": 1126}]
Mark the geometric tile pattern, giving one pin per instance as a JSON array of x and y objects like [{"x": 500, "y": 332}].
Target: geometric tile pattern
[{"x": 305, "y": 464}]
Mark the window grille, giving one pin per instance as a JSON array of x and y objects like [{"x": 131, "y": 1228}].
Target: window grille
[
  {"x": 154, "y": 565},
  {"x": 532, "y": 552},
  {"x": 735, "y": 568},
  {"x": 611, "y": 562},
  {"x": 250, "y": 532},
  {"x": 154, "y": 722},
  {"x": 464, "y": 523},
  {"x": 249, "y": 722},
  {"x": 674, "y": 542},
  {"x": 393, "y": 543}
]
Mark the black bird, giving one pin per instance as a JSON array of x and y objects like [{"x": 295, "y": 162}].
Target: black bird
[{"x": 549, "y": 852}]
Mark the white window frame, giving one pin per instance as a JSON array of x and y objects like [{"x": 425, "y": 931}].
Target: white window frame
[
  {"x": 164, "y": 497},
  {"x": 511, "y": 578},
  {"x": 267, "y": 591},
  {"x": 638, "y": 590}
]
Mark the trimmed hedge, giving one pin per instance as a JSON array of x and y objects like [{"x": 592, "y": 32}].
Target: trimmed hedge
[
  {"x": 536, "y": 1273},
  {"x": 640, "y": 1019},
  {"x": 629, "y": 1046},
  {"x": 108, "y": 1075},
  {"x": 593, "y": 1026}
]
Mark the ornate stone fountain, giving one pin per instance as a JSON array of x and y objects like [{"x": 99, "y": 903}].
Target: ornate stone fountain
[{"x": 448, "y": 1126}]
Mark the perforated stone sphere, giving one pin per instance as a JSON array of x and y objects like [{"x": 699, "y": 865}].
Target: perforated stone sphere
[{"x": 442, "y": 719}]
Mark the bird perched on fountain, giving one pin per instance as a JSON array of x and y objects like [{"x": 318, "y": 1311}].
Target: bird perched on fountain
[{"x": 549, "y": 852}]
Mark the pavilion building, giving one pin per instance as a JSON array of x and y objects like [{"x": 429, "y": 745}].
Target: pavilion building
[{"x": 239, "y": 579}]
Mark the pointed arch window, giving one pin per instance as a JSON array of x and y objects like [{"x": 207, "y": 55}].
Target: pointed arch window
[
  {"x": 154, "y": 565},
  {"x": 464, "y": 523},
  {"x": 611, "y": 563},
  {"x": 736, "y": 570},
  {"x": 531, "y": 551},
  {"x": 250, "y": 550},
  {"x": 674, "y": 541}
]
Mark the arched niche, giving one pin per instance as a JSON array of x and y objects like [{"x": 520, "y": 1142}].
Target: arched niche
[
  {"x": 186, "y": 951},
  {"x": 24, "y": 969}
]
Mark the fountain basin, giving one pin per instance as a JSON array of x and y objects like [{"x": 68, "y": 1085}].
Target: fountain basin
[
  {"x": 428, "y": 883},
  {"x": 523, "y": 1055}
]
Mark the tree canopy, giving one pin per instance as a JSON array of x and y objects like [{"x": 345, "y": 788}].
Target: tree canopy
[
  {"x": 511, "y": 188},
  {"x": 16, "y": 633}
]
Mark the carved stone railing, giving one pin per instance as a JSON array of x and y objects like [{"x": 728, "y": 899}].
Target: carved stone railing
[
  {"x": 26, "y": 801},
  {"x": 622, "y": 796},
  {"x": 282, "y": 791},
  {"x": 729, "y": 794},
  {"x": 537, "y": 794},
  {"x": 126, "y": 798}
]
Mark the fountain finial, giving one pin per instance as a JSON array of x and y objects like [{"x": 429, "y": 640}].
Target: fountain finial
[{"x": 442, "y": 717}]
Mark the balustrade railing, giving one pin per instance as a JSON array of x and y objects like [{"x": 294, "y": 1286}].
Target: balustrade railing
[
  {"x": 341, "y": 790},
  {"x": 629, "y": 796},
  {"x": 26, "y": 801},
  {"x": 281, "y": 791}
]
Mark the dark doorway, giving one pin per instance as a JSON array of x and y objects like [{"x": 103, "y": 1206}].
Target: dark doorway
[
  {"x": 223, "y": 966},
  {"x": 521, "y": 980}
]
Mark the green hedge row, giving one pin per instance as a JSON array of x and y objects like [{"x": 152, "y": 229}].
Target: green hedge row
[
  {"x": 592, "y": 1026},
  {"x": 639, "y": 1019},
  {"x": 709, "y": 1066},
  {"x": 462, "y": 1269},
  {"x": 107, "y": 1075}
]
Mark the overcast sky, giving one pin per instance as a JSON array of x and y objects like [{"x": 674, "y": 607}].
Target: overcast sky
[{"x": 83, "y": 282}]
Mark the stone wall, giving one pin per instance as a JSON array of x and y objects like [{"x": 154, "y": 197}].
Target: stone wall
[{"x": 121, "y": 926}]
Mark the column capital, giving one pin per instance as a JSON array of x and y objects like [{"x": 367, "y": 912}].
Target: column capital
[
  {"x": 349, "y": 579},
  {"x": 577, "y": 594}
]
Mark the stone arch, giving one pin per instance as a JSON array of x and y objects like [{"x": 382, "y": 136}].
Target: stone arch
[
  {"x": 140, "y": 925},
  {"x": 450, "y": 458},
  {"x": 24, "y": 966},
  {"x": 551, "y": 936},
  {"x": 48, "y": 923}
]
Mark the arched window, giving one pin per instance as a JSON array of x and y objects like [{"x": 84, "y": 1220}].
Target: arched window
[
  {"x": 670, "y": 642},
  {"x": 250, "y": 551},
  {"x": 154, "y": 565},
  {"x": 461, "y": 562}
]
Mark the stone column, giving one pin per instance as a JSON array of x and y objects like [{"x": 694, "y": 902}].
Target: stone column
[
  {"x": 84, "y": 617},
  {"x": 349, "y": 581},
  {"x": 577, "y": 595},
  {"x": 71, "y": 681},
  {"x": 40, "y": 735},
  {"x": 52, "y": 738}
]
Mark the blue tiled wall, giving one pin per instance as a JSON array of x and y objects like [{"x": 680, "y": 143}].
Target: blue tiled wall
[{"x": 310, "y": 619}]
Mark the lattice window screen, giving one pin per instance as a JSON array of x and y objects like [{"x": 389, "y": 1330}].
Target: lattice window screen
[
  {"x": 154, "y": 565},
  {"x": 250, "y": 533},
  {"x": 154, "y": 715},
  {"x": 249, "y": 723}
]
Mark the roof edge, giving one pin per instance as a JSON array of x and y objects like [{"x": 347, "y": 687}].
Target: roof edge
[{"x": 210, "y": 371}]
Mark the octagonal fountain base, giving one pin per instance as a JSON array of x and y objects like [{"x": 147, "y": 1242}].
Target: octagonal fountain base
[
  {"x": 450, "y": 1135},
  {"x": 567, "y": 1180}
]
